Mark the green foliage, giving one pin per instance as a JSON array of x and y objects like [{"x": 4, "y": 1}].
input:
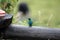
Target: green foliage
[
  {"x": 44, "y": 12},
  {"x": 8, "y": 5}
]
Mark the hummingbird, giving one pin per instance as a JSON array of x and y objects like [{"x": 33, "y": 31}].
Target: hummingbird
[{"x": 30, "y": 22}]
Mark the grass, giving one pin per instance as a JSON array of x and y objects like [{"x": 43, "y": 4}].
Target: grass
[{"x": 43, "y": 13}]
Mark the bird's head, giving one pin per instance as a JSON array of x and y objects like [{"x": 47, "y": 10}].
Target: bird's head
[{"x": 29, "y": 18}]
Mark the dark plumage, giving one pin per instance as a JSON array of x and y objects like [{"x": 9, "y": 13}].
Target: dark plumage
[{"x": 30, "y": 22}]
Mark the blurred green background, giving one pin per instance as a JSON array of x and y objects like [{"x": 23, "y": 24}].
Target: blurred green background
[{"x": 43, "y": 12}]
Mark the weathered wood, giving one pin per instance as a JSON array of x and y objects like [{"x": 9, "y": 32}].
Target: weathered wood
[
  {"x": 34, "y": 32},
  {"x": 6, "y": 21}
]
